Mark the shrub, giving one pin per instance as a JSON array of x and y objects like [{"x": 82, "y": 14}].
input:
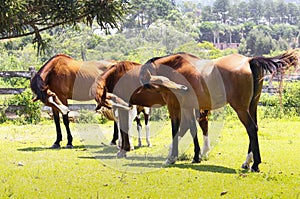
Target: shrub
[{"x": 30, "y": 111}]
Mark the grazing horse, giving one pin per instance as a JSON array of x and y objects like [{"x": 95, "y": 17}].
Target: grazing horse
[
  {"x": 123, "y": 80},
  {"x": 63, "y": 78},
  {"x": 233, "y": 79}
]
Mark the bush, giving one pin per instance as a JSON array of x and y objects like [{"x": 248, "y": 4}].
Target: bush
[
  {"x": 272, "y": 108},
  {"x": 89, "y": 117},
  {"x": 30, "y": 111}
]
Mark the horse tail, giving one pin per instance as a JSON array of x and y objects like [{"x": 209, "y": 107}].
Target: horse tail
[
  {"x": 279, "y": 63},
  {"x": 273, "y": 65}
]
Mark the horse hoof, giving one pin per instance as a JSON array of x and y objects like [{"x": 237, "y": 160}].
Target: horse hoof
[
  {"x": 171, "y": 160},
  {"x": 113, "y": 143},
  {"x": 255, "y": 169},
  {"x": 121, "y": 154},
  {"x": 149, "y": 145},
  {"x": 69, "y": 146},
  {"x": 245, "y": 166},
  {"x": 196, "y": 161},
  {"x": 204, "y": 157},
  {"x": 55, "y": 146}
]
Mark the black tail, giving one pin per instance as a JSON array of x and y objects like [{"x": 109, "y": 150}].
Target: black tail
[{"x": 275, "y": 64}]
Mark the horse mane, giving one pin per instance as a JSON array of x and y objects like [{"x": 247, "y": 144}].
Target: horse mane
[
  {"x": 38, "y": 84},
  {"x": 115, "y": 71}
]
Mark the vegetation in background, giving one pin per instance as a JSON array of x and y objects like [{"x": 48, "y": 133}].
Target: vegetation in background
[
  {"x": 156, "y": 28},
  {"x": 30, "y": 112}
]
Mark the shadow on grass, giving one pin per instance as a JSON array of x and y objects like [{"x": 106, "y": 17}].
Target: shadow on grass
[
  {"x": 205, "y": 168},
  {"x": 33, "y": 149}
]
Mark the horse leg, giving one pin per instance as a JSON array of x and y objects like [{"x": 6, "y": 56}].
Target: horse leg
[
  {"x": 189, "y": 122},
  {"x": 124, "y": 122},
  {"x": 56, "y": 144},
  {"x": 193, "y": 131},
  {"x": 252, "y": 129},
  {"x": 139, "y": 130},
  {"x": 147, "y": 126},
  {"x": 69, "y": 135},
  {"x": 253, "y": 113},
  {"x": 203, "y": 123},
  {"x": 173, "y": 155},
  {"x": 116, "y": 134}
]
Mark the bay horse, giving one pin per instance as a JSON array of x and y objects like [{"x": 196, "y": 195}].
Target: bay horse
[
  {"x": 123, "y": 80},
  {"x": 234, "y": 79},
  {"x": 62, "y": 78}
]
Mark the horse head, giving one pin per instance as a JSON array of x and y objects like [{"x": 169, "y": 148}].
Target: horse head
[
  {"x": 109, "y": 100},
  {"x": 159, "y": 83}
]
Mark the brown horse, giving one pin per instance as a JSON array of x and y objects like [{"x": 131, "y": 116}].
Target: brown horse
[
  {"x": 63, "y": 78},
  {"x": 233, "y": 79},
  {"x": 123, "y": 80}
]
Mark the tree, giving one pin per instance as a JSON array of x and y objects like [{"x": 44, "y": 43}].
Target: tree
[
  {"x": 30, "y": 17},
  {"x": 256, "y": 10},
  {"x": 257, "y": 43},
  {"x": 269, "y": 10},
  {"x": 144, "y": 13},
  {"x": 221, "y": 8}
]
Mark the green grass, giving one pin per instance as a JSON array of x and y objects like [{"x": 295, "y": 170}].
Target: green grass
[{"x": 28, "y": 169}]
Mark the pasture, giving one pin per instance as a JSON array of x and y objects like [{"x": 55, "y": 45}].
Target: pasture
[{"x": 30, "y": 170}]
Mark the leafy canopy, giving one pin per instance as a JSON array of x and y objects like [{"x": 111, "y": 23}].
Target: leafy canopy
[{"x": 29, "y": 17}]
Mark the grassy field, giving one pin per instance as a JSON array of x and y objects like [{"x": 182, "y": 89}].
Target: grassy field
[{"x": 28, "y": 169}]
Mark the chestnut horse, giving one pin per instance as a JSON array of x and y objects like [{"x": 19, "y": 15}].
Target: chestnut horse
[
  {"x": 233, "y": 79},
  {"x": 123, "y": 80},
  {"x": 63, "y": 78}
]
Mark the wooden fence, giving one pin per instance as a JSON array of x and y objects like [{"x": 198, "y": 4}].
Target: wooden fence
[
  {"x": 27, "y": 75},
  {"x": 268, "y": 88}
]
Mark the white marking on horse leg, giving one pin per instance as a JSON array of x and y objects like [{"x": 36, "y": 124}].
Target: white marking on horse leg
[
  {"x": 139, "y": 130},
  {"x": 172, "y": 159},
  {"x": 249, "y": 159},
  {"x": 131, "y": 116},
  {"x": 63, "y": 109},
  {"x": 206, "y": 146},
  {"x": 148, "y": 135},
  {"x": 147, "y": 110}
]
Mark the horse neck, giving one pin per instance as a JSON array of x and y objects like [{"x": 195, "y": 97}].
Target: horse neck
[{"x": 49, "y": 65}]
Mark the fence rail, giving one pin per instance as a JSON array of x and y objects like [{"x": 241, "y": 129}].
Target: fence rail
[{"x": 75, "y": 107}]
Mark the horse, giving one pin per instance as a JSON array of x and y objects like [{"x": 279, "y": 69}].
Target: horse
[
  {"x": 123, "y": 80},
  {"x": 233, "y": 79},
  {"x": 62, "y": 78}
]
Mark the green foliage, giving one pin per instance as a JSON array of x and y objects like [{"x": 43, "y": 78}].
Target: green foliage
[
  {"x": 287, "y": 106},
  {"x": 31, "y": 111},
  {"x": 21, "y": 18},
  {"x": 3, "y": 117},
  {"x": 90, "y": 117},
  {"x": 159, "y": 114},
  {"x": 257, "y": 43}
]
